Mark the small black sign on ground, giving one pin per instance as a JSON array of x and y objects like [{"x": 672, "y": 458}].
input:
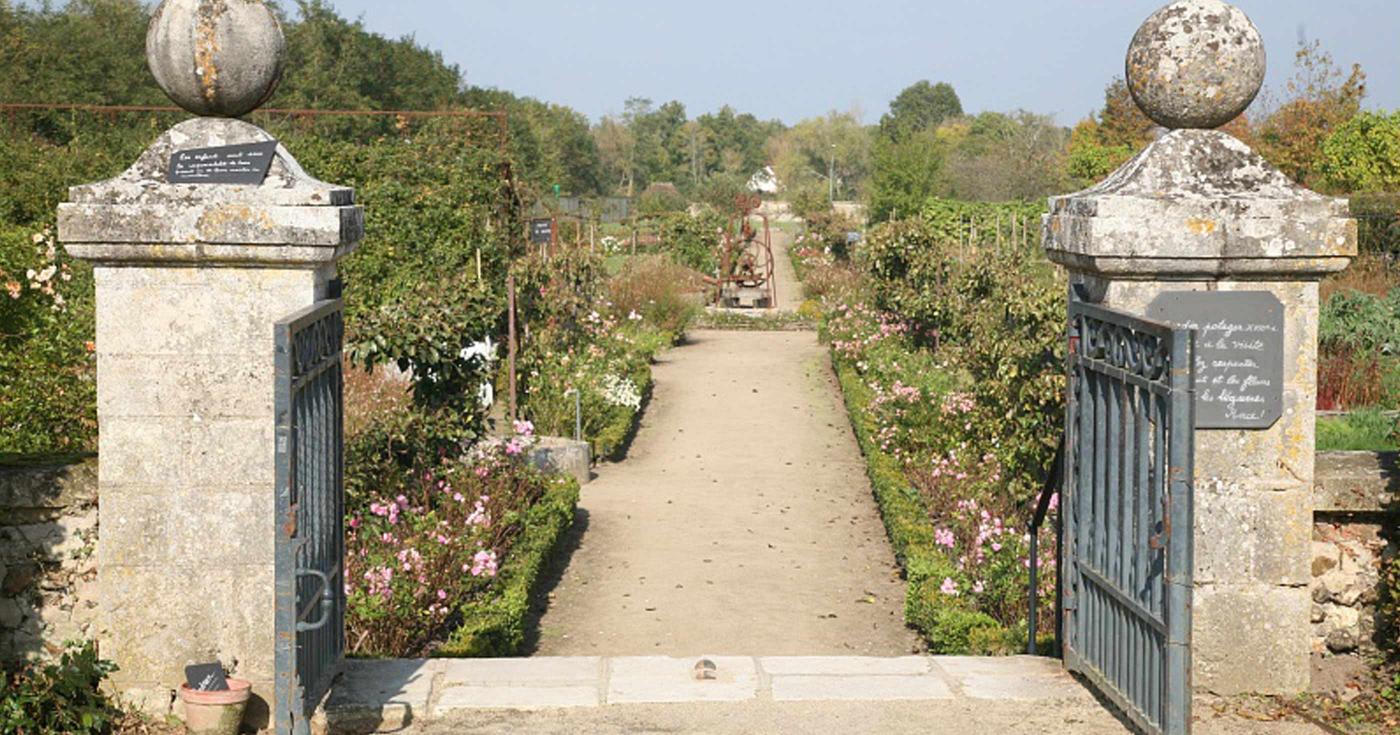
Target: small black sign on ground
[
  {"x": 235, "y": 164},
  {"x": 1239, "y": 354},
  {"x": 542, "y": 231},
  {"x": 206, "y": 677}
]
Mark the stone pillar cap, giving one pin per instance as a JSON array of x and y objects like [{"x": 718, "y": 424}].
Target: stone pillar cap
[
  {"x": 138, "y": 217},
  {"x": 1200, "y": 204}
]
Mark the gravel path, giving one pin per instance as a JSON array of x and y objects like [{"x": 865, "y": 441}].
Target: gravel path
[{"x": 740, "y": 524}]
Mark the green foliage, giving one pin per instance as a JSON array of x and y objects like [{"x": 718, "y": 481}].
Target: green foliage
[
  {"x": 830, "y": 154},
  {"x": 692, "y": 241},
  {"x": 48, "y": 391},
  {"x": 1364, "y": 430},
  {"x": 63, "y": 697},
  {"x": 424, "y": 331},
  {"x": 907, "y": 171},
  {"x": 1363, "y": 154},
  {"x": 1361, "y": 322},
  {"x": 1090, "y": 162},
  {"x": 495, "y": 626},
  {"x": 1000, "y": 311},
  {"x": 920, "y": 107},
  {"x": 660, "y": 199}
]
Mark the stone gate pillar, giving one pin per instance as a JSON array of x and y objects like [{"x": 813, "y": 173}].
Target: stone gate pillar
[
  {"x": 1199, "y": 230},
  {"x": 198, "y": 249}
]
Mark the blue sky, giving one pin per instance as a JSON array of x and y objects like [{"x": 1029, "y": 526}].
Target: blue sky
[{"x": 789, "y": 59}]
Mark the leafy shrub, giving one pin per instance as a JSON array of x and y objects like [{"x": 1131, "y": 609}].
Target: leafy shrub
[
  {"x": 48, "y": 389},
  {"x": 1361, "y": 321},
  {"x": 998, "y": 313},
  {"x": 663, "y": 293},
  {"x": 809, "y": 203},
  {"x": 827, "y": 231},
  {"x": 692, "y": 241},
  {"x": 1359, "y": 360},
  {"x": 661, "y": 198},
  {"x": 62, "y": 697}
]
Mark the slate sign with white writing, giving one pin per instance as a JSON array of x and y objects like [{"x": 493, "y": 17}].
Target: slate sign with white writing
[
  {"x": 1239, "y": 354},
  {"x": 206, "y": 677},
  {"x": 234, "y": 164},
  {"x": 542, "y": 231}
]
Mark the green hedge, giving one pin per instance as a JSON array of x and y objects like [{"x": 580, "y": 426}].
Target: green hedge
[
  {"x": 612, "y": 441},
  {"x": 949, "y": 627},
  {"x": 495, "y": 626}
]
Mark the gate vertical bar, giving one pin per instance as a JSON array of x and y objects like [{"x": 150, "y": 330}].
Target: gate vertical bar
[{"x": 1181, "y": 543}]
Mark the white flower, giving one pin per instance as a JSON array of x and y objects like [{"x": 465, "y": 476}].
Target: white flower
[
  {"x": 619, "y": 391},
  {"x": 634, "y": 317}
]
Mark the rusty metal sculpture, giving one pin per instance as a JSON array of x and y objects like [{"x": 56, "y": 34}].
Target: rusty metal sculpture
[{"x": 747, "y": 272}]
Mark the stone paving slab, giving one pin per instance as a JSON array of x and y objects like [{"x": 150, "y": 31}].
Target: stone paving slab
[
  {"x": 383, "y": 695},
  {"x": 1013, "y": 678},
  {"x": 386, "y": 696},
  {"x": 515, "y": 697},
  {"x": 859, "y": 688},
  {"x": 845, "y": 665},
  {"x": 663, "y": 680}
]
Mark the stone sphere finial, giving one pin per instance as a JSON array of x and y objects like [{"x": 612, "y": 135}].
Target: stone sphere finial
[
  {"x": 1196, "y": 64},
  {"x": 217, "y": 58}
]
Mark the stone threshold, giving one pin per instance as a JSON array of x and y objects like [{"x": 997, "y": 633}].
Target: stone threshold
[{"x": 386, "y": 695}]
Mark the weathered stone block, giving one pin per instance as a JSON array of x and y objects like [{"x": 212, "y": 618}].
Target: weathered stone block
[
  {"x": 1246, "y": 535},
  {"x": 1241, "y": 632},
  {"x": 218, "y": 315},
  {"x": 187, "y": 452},
  {"x": 215, "y": 386}
]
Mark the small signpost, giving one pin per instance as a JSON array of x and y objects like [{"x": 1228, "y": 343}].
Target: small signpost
[
  {"x": 542, "y": 231},
  {"x": 235, "y": 164},
  {"x": 1239, "y": 354}
]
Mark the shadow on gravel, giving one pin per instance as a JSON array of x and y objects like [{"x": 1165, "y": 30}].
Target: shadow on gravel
[{"x": 553, "y": 574}]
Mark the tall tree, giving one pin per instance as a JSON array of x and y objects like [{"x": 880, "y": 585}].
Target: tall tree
[
  {"x": 824, "y": 154},
  {"x": 921, "y": 106}
]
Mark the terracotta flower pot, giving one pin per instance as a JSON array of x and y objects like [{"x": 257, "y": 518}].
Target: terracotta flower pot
[{"x": 216, "y": 713}]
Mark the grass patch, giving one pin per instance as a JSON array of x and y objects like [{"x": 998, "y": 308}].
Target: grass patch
[
  {"x": 1369, "y": 430},
  {"x": 758, "y": 321},
  {"x": 495, "y": 626}
]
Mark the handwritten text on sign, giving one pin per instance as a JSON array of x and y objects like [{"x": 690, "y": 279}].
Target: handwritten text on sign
[
  {"x": 234, "y": 164},
  {"x": 1239, "y": 354}
]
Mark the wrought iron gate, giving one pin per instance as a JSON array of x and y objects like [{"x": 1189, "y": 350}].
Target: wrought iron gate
[
  {"x": 310, "y": 512},
  {"x": 1128, "y": 517}
]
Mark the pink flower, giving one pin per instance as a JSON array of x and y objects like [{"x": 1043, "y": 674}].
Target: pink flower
[
  {"x": 442, "y": 594},
  {"x": 484, "y": 564},
  {"x": 944, "y": 537},
  {"x": 949, "y": 587},
  {"x": 514, "y": 448},
  {"x": 525, "y": 428}
]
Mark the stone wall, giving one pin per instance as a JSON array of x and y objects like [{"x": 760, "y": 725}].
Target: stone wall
[
  {"x": 1355, "y": 531},
  {"x": 48, "y": 536}
]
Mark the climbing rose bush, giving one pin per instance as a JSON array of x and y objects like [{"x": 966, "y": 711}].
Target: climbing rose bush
[{"x": 413, "y": 560}]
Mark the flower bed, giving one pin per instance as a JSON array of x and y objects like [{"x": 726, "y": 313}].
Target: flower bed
[
  {"x": 447, "y": 566},
  {"x": 956, "y": 406},
  {"x": 593, "y": 337}
]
